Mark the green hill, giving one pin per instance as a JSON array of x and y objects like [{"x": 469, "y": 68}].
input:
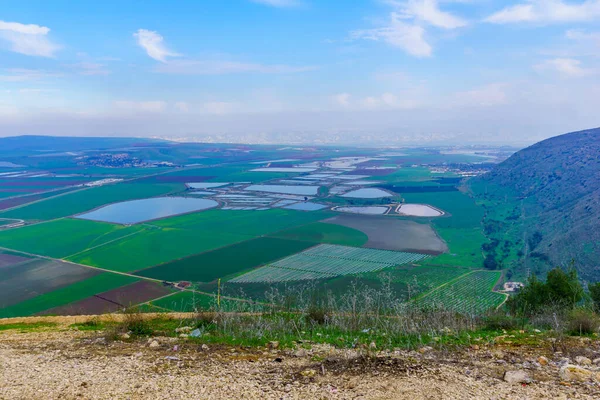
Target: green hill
[{"x": 543, "y": 206}]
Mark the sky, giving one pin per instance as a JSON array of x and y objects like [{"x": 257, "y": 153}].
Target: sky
[{"x": 389, "y": 71}]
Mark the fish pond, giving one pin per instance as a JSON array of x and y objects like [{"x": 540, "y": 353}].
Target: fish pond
[{"x": 136, "y": 211}]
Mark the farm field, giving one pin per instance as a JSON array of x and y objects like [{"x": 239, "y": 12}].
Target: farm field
[
  {"x": 112, "y": 300},
  {"x": 88, "y": 199},
  {"x": 471, "y": 294},
  {"x": 69, "y": 294},
  {"x": 275, "y": 223},
  {"x": 220, "y": 263},
  {"x": 26, "y": 279},
  {"x": 185, "y": 301},
  {"x": 177, "y": 237},
  {"x": 319, "y": 232},
  {"x": 326, "y": 261},
  {"x": 64, "y": 237}
]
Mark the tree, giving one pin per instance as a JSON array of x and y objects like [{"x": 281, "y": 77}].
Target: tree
[
  {"x": 594, "y": 289},
  {"x": 561, "y": 289}
]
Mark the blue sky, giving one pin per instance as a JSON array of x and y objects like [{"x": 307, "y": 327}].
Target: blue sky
[{"x": 412, "y": 71}]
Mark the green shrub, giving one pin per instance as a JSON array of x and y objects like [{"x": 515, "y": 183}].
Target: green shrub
[
  {"x": 499, "y": 321},
  {"x": 582, "y": 321}
]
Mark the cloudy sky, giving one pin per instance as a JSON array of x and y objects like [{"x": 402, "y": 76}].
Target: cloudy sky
[{"x": 466, "y": 70}]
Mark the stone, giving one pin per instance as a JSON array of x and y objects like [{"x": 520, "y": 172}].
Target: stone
[
  {"x": 204, "y": 347},
  {"x": 372, "y": 346},
  {"x": 542, "y": 360},
  {"x": 125, "y": 336},
  {"x": 583, "y": 360},
  {"x": 300, "y": 353},
  {"x": 572, "y": 372},
  {"x": 425, "y": 349},
  {"x": 518, "y": 376},
  {"x": 596, "y": 361},
  {"x": 273, "y": 345},
  {"x": 183, "y": 329},
  {"x": 184, "y": 335},
  {"x": 154, "y": 344},
  {"x": 308, "y": 373}
]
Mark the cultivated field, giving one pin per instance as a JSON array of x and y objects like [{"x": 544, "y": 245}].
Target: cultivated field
[
  {"x": 325, "y": 261},
  {"x": 470, "y": 294},
  {"x": 275, "y": 222}
]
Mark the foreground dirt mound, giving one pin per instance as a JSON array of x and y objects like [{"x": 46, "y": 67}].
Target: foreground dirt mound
[{"x": 71, "y": 364}]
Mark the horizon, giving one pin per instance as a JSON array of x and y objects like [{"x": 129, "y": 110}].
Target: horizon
[{"x": 381, "y": 72}]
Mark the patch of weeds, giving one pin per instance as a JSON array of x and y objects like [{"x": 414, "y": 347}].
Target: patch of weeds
[
  {"x": 26, "y": 327},
  {"x": 93, "y": 324}
]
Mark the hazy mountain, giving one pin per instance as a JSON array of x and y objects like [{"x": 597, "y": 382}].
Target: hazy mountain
[{"x": 549, "y": 195}]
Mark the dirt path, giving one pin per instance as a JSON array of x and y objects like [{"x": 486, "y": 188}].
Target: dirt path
[{"x": 73, "y": 365}]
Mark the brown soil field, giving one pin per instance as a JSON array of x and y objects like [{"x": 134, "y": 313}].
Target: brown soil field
[
  {"x": 9, "y": 259},
  {"x": 22, "y": 281},
  {"x": 113, "y": 300},
  {"x": 389, "y": 233}
]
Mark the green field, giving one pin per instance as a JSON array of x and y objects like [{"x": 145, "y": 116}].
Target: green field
[
  {"x": 471, "y": 293},
  {"x": 185, "y": 301},
  {"x": 88, "y": 199},
  {"x": 225, "y": 261},
  {"x": 181, "y": 236},
  {"x": 422, "y": 278},
  {"x": 325, "y": 233},
  {"x": 64, "y": 237},
  {"x": 461, "y": 229},
  {"x": 77, "y": 291}
]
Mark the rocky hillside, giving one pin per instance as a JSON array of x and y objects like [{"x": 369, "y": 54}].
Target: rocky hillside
[{"x": 554, "y": 187}]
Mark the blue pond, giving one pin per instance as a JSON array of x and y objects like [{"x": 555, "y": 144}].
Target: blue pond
[{"x": 135, "y": 211}]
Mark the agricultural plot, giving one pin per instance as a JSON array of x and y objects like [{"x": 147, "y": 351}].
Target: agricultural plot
[
  {"x": 177, "y": 237},
  {"x": 63, "y": 237},
  {"x": 113, "y": 300},
  {"x": 85, "y": 200},
  {"x": 461, "y": 227},
  {"x": 185, "y": 301},
  {"x": 32, "y": 277},
  {"x": 470, "y": 294},
  {"x": 225, "y": 261},
  {"x": 325, "y": 261},
  {"x": 319, "y": 232},
  {"x": 388, "y": 233},
  {"x": 69, "y": 294}
]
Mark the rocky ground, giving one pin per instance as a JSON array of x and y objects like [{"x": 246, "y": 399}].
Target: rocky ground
[{"x": 70, "y": 364}]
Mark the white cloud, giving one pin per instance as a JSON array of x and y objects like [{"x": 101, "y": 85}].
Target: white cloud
[
  {"x": 342, "y": 99},
  {"x": 278, "y": 3},
  {"x": 152, "y": 42},
  {"x": 408, "y": 37},
  {"x": 198, "y": 67},
  {"x": 429, "y": 12},
  {"x": 547, "y": 11},
  {"x": 140, "y": 106},
  {"x": 29, "y": 39},
  {"x": 565, "y": 66},
  {"x": 592, "y": 38}
]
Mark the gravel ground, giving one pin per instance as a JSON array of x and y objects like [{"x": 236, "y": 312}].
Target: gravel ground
[{"x": 82, "y": 365}]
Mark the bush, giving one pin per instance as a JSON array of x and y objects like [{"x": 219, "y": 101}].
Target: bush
[
  {"x": 582, "y": 321},
  {"x": 499, "y": 321},
  {"x": 135, "y": 323},
  {"x": 316, "y": 315}
]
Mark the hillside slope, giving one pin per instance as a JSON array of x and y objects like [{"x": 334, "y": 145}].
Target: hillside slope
[{"x": 545, "y": 201}]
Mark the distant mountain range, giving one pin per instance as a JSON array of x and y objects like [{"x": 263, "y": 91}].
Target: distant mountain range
[{"x": 546, "y": 198}]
